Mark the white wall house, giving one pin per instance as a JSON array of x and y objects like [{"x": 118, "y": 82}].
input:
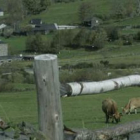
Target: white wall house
[
  {"x": 63, "y": 27},
  {"x": 1, "y": 13}
]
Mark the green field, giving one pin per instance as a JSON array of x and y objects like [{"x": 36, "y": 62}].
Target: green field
[
  {"x": 67, "y": 13},
  {"x": 78, "y": 111}
]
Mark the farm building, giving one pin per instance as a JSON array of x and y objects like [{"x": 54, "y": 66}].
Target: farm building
[
  {"x": 39, "y": 27},
  {"x": 63, "y": 27},
  {"x": 2, "y": 26},
  {"x": 35, "y": 22},
  {"x": 1, "y": 12},
  {"x": 91, "y": 22},
  {"x": 44, "y": 28},
  {"x": 3, "y": 49}
]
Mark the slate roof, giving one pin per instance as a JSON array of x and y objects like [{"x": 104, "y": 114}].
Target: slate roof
[
  {"x": 45, "y": 27},
  {"x": 36, "y": 21}
]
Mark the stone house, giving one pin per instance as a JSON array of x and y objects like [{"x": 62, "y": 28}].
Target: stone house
[{"x": 92, "y": 22}]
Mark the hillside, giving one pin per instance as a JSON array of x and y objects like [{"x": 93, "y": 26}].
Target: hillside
[{"x": 67, "y": 13}]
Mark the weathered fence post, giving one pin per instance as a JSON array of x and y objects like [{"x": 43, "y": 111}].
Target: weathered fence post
[{"x": 48, "y": 96}]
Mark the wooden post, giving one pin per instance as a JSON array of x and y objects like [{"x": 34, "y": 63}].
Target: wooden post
[{"x": 48, "y": 96}]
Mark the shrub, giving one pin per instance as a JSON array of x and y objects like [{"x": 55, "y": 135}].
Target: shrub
[
  {"x": 17, "y": 77},
  {"x": 29, "y": 79},
  {"x": 97, "y": 73},
  {"x": 104, "y": 62},
  {"x": 83, "y": 65},
  {"x": 137, "y": 36},
  {"x": 112, "y": 33},
  {"x": 127, "y": 39},
  {"x": 100, "y": 39},
  {"x": 6, "y": 87},
  {"x": 80, "y": 38}
]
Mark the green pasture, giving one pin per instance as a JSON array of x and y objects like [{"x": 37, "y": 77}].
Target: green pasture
[
  {"x": 127, "y": 22},
  {"x": 78, "y": 111},
  {"x": 115, "y": 54},
  {"x": 67, "y": 13},
  {"x": 16, "y": 44}
]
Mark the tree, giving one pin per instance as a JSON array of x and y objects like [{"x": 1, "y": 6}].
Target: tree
[
  {"x": 130, "y": 8},
  {"x": 36, "y": 6},
  {"x": 80, "y": 38},
  {"x": 112, "y": 33},
  {"x": 85, "y": 11},
  {"x": 118, "y": 9},
  {"x": 91, "y": 37},
  {"x": 58, "y": 42},
  {"x": 16, "y": 13},
  {"x": 137, "y": 2},
  {"x": 100, "y": 39},
  {"x": 29, "y": 41},
  {"x": 44, "y": 4},
  {"x": 8, "y": 31},
  {"x": 35, "y": 43}
]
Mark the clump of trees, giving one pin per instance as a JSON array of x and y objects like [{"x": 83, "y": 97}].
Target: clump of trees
[
  {"x": 36, "y": 43},
  {"x": 22, "y": 8},
  {"x": 125, "y": 8},
  {"x": 67, "y": 38},
  {"x": 112, "y": 33},
  {"x": 36, "y": 6},
  {"x": 85, "y": 11}
]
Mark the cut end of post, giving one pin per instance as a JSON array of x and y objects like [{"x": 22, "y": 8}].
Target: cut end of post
[{"x": 46, "y": 57}]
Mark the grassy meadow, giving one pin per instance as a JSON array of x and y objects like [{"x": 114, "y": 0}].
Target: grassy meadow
[
  {"x": 67, "y": 13},
  {"x": 78, "y": 111}
]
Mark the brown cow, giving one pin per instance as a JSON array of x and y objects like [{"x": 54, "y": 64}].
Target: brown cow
[
  {"x": 133, "y": 104},
  {"x": 110, "y": 109}
]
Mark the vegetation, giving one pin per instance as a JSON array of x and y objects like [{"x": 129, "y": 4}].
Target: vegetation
[
  {"x": 84, "y": 54},
  {"x": 37, "y": 6}
]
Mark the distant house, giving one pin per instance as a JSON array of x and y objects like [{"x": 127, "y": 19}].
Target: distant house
[
  {"x": 44, "y": 28},
  {"x": 39, "y": 27},
  {"x": 2, "y": 26},
  {"x": 1, "y": 12},
  {"x": 35, "y": 22},
  {"x": 65, "y": 27},
  {"x": 91, "y": 22},
  {"x": 3, "y": 48}
]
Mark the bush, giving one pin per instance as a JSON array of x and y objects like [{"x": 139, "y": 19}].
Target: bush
[
  {"x": 96, "y": 73},
  {"x": 80, "y": 38},
  {"x": 137, "y": 36},
  {"x": 127, "y": 39},
  {"x": 6, "y": 87},
  {"x": 83, "y": 65},
  {"x": 29, "y": 79},
  {"x": 104, "y": 62},
  {"x": 112, "y": 33},
  {"x": 100, "y": 39},
  {"x": 17, "y": 77}
]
